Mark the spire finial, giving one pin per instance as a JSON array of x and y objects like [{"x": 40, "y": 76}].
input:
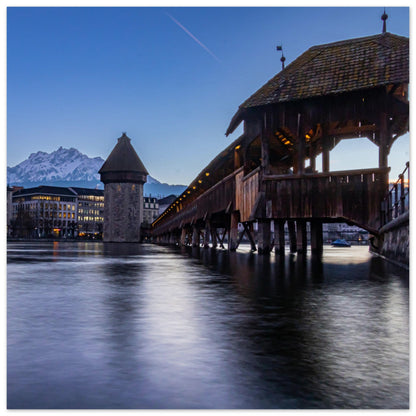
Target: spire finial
[
  {"x": 384, "y": 17},
  {"x": 282, "y": 59}
]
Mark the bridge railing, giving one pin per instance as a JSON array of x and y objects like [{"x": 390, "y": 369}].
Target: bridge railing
[
  {"x": 396, "y": 202},
  {"x": 354, "y": 195},
  {"x": 216, "y": 199}
]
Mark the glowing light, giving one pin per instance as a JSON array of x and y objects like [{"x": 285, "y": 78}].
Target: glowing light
[
  {"x": 199, "y": 181},
  {"x": 237, "y": 147},
  {"x": 206, "y": 173}
]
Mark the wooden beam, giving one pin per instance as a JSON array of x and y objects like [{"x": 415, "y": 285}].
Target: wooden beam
[
  {"x": 300, "y": 147},
  {"x": 316, "y": 237},
  {"x": 248, "y": 229},
  {"x": 301, "y": 237},
  {"x": 279, "y": 229},
  {"x": 265, "y": 142},
  {"x": 383, "y": 142},
  {"x": 292, "y": 235},
  {"x": 214, "y": 236},
  {"x": 233, "y": 235},
  {"x": 352, "y": 130},
  {"x": 263, "y": 236}
]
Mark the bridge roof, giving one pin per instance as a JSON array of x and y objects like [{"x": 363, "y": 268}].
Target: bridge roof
[
  {"x": 123, "y": 158},
  {"x": 335, "y": 68}
]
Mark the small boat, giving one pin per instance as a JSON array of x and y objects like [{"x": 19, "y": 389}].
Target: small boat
[{"x": 340, "y": 243}]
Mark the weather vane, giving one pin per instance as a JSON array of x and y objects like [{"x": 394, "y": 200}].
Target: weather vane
[
  {"x": 282, "y": 59},
  {"x": 384, "y": 17}
]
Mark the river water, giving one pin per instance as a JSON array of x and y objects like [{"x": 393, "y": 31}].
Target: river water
[{"x": 94, "y": 325}]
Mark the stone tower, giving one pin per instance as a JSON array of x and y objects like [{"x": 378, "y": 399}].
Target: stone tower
[{"x": 123, "y": 174}]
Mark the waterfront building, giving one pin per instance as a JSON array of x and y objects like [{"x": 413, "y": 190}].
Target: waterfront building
[
  {"x": 123, "y": 175},
  {"x": 9, "y": 209},
  {"x": 44, "y": 211},
  {"x": 150, "y": 210},
  {"x": 29, "y": 216},
  {"x": 90, "y": 210}
]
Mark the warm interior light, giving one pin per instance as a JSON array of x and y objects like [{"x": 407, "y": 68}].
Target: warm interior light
[
  {"x": 194, "y": 187},
  {"x": 199, "y": 181},
  {"x": 206, "y": 173},
  {"x": 189, "y": 192},
  {"x": 307, "y": 136},
  {"x": 237, "y": 147}
]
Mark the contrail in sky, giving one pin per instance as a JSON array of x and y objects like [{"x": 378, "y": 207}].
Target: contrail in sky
[{"x": 193, "y": 37}]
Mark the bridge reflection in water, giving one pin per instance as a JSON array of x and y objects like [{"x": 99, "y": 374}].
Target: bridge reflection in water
[{"x": 93, "y": 325}]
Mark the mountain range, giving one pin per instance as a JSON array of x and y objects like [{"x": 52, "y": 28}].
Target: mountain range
[{"x": 70, "y": 167}]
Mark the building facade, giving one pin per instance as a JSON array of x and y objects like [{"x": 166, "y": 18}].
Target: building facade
[
  {"x": 49, "y": 211},
  {"x": 90, "y": 207},
  {"x": 150, "y": 210},
  {"x": 44, "y": 211}
]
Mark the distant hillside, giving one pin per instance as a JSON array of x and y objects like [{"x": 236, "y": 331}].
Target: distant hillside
[{"x": 70, "y": 167}]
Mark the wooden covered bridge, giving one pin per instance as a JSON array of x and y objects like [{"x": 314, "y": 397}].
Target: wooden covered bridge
[{"x": 349, "y": 89}]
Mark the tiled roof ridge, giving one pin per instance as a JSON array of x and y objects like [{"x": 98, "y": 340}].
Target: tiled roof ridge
[{"x": 355, "y": 40}]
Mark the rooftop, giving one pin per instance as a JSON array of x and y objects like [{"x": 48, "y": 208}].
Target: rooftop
[
  {"x": 123, "y": 158},
  {"x": 45, "y": 190},
  {"x": 335, "y": 68}
]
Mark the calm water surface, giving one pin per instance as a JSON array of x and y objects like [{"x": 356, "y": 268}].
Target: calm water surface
[{"x": 93, "y": 325}]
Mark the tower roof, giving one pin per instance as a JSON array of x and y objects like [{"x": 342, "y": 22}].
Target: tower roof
[{"x": 123, "y": 158}]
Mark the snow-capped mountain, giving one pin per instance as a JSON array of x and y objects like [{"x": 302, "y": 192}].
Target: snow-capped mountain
[
  {"x": 60, "y": 165},
  {"x": 70, "y": 167}
]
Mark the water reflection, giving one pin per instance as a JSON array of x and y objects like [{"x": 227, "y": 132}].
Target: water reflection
[{"x": 140, "y": 326}]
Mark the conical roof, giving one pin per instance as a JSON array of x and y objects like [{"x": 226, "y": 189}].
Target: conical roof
[{"x": 123, "y": 158}]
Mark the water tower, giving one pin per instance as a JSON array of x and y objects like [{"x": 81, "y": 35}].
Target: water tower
[{"x": 123, "y": 175}]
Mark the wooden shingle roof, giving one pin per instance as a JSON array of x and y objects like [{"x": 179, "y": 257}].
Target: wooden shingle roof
[
  {"x": 336, "y": 68},
  {"x": 123, "y": 158}
]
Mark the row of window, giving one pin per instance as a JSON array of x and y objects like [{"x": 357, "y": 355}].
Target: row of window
[
  {"x": 91, "y": 198},
  {"x": 91, "y": 204},
  {"x": 89, "y": 211},
  {"x": 60, "y": 215},
  {"x": 87, "y": 218}
]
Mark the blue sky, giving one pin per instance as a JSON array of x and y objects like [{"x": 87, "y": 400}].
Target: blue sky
[{"x": 172, "y": 78}]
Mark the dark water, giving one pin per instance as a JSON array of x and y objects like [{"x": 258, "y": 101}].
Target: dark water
[{"x": 122, "y": 326}]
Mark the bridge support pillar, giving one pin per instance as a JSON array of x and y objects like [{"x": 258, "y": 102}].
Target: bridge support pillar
[
  {"x": 301, "y": 241},
  {"x": 233, "y": 235},
  {"x": 207, "y": 231},
  {"x": 183, "y": 236},
  {"x": 279, "y": 233},
  {"x": 263, "y": 235},
  {"x": 316, "y": 237},
  {"x": 292, "y": 235},
  {"x": 195, "y": 236},
  {"x": 250, "y": 234},
  {"x": 214, "y": 237}
]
